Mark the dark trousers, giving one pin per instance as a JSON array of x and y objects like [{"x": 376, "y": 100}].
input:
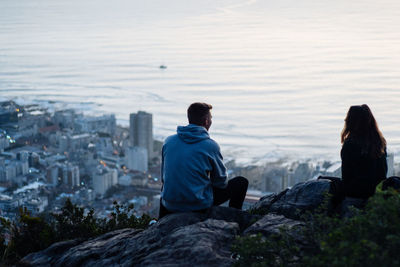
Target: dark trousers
[
  {"x": 336, "y": 190},
  {"x": 235, "y": 192}
]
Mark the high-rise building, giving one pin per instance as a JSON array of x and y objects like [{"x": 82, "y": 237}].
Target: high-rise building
[
  {"x": 4, "y": 143},
  {"x": 52, "y": 175},
  {"x": 141, "y": 131},
  {"x": 103, "y": 178},
  {"x": 70, "y": 175},
  {"x": 136, "y": 158},
  {"x": 390, "y": 163}
]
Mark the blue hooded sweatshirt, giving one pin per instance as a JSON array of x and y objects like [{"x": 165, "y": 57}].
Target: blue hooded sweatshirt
[{"x": 191, "y": 166}]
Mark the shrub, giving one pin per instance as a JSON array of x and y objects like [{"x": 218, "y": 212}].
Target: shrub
[
  {"x": 256, "y": 250},
  {"x": 4, "y": 230},
  {"x": 73, "y": 223},
  {"x": 30, "y": 234},
  {"x": 124, "y": 217},
  {"x": 370, "y": 238}
]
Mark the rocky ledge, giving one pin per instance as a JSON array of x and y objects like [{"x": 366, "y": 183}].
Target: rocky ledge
[{"x": 186, "y": 239}]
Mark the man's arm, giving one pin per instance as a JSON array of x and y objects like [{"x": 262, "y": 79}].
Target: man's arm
[{"x": 218, "y": 173}]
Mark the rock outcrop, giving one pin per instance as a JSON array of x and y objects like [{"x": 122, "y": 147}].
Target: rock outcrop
[
  {"x": 292, "y": 203},
  {"x": 185, "y": 239}
]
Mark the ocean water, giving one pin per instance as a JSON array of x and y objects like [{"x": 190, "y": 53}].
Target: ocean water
[{"x": 281, "y": 74}]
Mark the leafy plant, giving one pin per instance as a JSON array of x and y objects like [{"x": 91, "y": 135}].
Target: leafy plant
[
  {"x": 370, "y": 238},
  {"x": 257, "y": 250},
  {"x": 124, "y": 217},
  {"x": 30, "y": 234},
  {"x": 73, "y": 223}
]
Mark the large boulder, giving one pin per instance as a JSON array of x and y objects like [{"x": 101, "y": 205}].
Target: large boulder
[
  {"x": 295, "y": 201},
  {"x": 181, "y": 239}
]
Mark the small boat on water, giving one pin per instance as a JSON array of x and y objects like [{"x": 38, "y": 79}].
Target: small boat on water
[{"x": 163, "y": 67}]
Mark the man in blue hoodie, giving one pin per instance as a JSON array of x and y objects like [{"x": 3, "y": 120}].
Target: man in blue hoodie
[{"x": 193, "y": 175}]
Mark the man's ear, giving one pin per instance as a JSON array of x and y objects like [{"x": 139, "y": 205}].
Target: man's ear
[{"x": 206, "y": 121}]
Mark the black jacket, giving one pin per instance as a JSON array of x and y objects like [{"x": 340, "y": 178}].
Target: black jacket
[{"x": 360, "y": 172}]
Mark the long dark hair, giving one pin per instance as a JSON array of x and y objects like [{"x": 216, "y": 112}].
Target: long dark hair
[{"x": 361, "y": 126}]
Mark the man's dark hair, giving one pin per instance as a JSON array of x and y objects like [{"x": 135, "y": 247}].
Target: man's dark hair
[{"x": 197, "y": 113}]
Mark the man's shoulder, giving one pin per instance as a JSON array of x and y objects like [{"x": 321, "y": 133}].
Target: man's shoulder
[
  {"x": 208, "y": 144},
  {"x": 171, "y": 137},
  {"x": 211, "y": 144}
]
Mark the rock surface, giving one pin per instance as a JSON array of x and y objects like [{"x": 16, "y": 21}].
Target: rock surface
[
  {"x": 292, "y": 203},
  {"x": 184, "y": 239},
  {"x": 180, "y": 239}
]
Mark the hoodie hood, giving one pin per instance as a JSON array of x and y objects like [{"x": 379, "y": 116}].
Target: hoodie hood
[{"x": 192, "y": 133}]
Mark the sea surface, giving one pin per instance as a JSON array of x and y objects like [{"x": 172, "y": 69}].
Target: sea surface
[{"x": 281, "y": 74}]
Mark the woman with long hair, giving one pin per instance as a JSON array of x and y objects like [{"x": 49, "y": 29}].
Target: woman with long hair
[{"x": 363, "y": 153}]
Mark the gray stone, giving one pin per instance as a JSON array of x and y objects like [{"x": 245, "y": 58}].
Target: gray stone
[
  {"x": 181, "y": 239},
  {"x": 54, "y": 251},
  {"x": 202, "y": 244},
  {"x": 264, "y": 204},
  {"x": 294, "y": 202},
  {"x": 243, "y": 218},
  {"x": 103, "y": 249}
]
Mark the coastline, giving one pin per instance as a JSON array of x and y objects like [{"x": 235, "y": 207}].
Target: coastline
[{"x": 272, "y": 173}]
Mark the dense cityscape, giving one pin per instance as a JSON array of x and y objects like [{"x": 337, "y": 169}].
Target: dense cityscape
[{"x": 47, "y": 157}]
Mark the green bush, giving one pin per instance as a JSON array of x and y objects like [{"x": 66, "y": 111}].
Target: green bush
[
  {"x": 257, "y": 251},
  {"x": 73, "y": 223},
  {"x": 4, "y": 230},
  {"x": 124, "y": 217},
  {"x": 30, "y": 234},
  {"x": 370, "y": 238}
]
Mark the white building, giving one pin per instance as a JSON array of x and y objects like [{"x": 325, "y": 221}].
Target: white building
[
  {"x": 79, "y": 141},
  {"x": 71, "y": 143},
  {"x": 102, "y": 124},
  {"x": 10, "y": 169},
  {"x": 141, "y": 131},
  {"x": 63, "y": 144},
  {"x": 4, "y": 142},
  {"x": 65, "y": 173},
  {"x": 7, "y": 203},
  {"x": 52, "y": 174},
  {"x": 136, "y": 158},
  {"x": 65, "y": 118},
  {"x": 104, "y": 178},
  {"x": 70, "y": 175},
  {"x": 390, "y": 163},
  {"x": 135, "y": 179},
  {"x": 104, "y": 144},
  {"x": 140, "y": 180},
  {"x": 125, "y": 180}
]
